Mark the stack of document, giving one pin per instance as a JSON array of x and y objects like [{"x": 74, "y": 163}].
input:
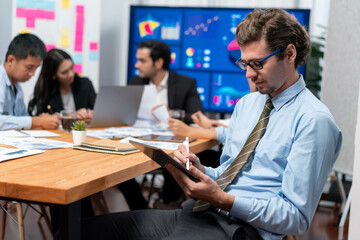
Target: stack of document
[{"x": 107, "y": 146}]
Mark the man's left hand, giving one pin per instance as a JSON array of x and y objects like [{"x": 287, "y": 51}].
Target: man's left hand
[{"x": 206, "y": 189}]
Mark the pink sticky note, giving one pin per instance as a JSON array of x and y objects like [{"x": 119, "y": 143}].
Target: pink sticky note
[
  {"x": 49, "y": 47},
  {"x": 31, "y": 15},
  {"x": 30, "y": 22},
  {"x": 94, "y": 46},
  {"x": 20, "y": 12},
  {"x": 78, "y": 68},
  {"x": 80, "y": 8},
  {"x": 79, "y": 28}
]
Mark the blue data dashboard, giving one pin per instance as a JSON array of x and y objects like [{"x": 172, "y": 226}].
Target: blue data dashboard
[{"x": 203, "y": 46}]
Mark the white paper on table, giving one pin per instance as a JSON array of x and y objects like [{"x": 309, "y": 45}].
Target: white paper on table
[
  {"x": 119, "y": 132},
  {"x": 35, "y": 143},
  {"x": 162, "y": 114},
  {"x": 148, "y": 102},
  {"x": 154, "y": 125},
  {"x": 40, "y": 133},
  {"x": 158, "y": 144},
  {"x": 12, "y": 133},
  {"x": 8, "y": 154}
]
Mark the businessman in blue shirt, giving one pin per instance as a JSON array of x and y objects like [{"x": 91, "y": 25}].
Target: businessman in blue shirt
[
  {"x": 278, "y": 189},
  {"x": 24, "y": 55}
]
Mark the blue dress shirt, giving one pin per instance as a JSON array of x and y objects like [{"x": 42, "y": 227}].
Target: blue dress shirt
[
  {"x": 279, "y": 187},
  {"x": 13, "y": 113}
]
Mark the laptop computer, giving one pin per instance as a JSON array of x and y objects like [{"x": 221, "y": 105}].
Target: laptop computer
[{"x": 116, "y": 106}]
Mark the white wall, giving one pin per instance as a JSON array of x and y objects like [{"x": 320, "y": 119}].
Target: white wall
[
  {"x": 115, "y": 27},
  {"x": 354, "y": 230},
  {"x": 5, "y": 28}
]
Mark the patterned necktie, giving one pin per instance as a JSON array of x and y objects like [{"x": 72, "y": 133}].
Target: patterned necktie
[{"x": 234, "y": 168}]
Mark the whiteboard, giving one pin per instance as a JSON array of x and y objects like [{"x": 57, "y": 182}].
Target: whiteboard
[
  {"x": 340, "y": 90},
  {"x": 71, "y": 25}
]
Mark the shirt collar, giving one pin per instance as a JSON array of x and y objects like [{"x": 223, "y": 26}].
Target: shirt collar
[
  {"x": 163, "y": 83},
  {"x": 5, "y": 76},
  {"x": 288, "y": 94}
]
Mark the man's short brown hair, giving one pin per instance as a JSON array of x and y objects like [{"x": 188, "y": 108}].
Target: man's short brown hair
[{"x": 278, "y": 28}]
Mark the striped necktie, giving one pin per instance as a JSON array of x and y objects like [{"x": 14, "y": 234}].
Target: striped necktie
[{"x": 235, "y": 167}]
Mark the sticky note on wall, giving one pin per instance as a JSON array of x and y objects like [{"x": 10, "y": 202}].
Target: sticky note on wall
[
  {"x": 22, "y": 31},
  {"x": 94, "y": 46},
  {"x": 79, "y": 28},
  {"x": 65, "y": 37},
  {"x": 65, "y": 4},
  {"x": 49, "y": 47},
  {"x": 78, "y": 68}
]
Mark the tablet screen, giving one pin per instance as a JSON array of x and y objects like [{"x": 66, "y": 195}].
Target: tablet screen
[
  {"x": 162, "y": 158},
  {"x": 177, "y": 139}
]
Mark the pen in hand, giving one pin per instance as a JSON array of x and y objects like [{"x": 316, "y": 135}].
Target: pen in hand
[{"x": 186, "y": 143}]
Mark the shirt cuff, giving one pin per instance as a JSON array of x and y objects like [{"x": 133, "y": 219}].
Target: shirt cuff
[
  {"x": 241, "y": 208},
  {"x": 220, "y": 134},
  {"x": 27, "y": 123}
]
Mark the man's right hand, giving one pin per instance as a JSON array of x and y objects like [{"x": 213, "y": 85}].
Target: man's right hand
[
  {"x": 181, "y": 156},
  {"x": 45, "y": 121}
]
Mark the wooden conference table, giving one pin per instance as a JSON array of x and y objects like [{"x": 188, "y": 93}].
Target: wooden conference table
[{"x": 64, "y": 176}]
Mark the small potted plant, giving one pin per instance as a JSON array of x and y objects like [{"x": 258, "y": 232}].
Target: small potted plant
[{"x": 79, "y": 132}]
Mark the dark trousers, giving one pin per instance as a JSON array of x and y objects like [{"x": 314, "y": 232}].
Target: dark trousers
[
  {"x": 166, "y": 224},
  {"x": 133, "y": 195}
]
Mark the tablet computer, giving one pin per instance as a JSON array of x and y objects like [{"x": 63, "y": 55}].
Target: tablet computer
[
  {"x": 177, "y": 139},
  {"x": 162, "y": 158}
]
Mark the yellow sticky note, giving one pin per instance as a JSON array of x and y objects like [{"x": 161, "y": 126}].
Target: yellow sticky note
[
  {"x": 64, "y": 37},
  {"x": 64, "y": 32},
  {"x": 65, "y": 4},
  {"x": 64, "y": 42},
  {"x": 24, "y": 31}
]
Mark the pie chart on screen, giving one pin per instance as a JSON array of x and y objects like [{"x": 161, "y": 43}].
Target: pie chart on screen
[{"x": 234, "y": 51}]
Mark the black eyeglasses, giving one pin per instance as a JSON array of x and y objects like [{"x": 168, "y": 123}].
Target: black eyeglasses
[{"x": 254, "y": 64}]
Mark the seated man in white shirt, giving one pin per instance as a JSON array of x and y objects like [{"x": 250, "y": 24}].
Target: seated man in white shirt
[{"x": 24, "y": 55}]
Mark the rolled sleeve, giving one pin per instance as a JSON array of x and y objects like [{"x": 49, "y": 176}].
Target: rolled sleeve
[{"x": 15, "y": 122}]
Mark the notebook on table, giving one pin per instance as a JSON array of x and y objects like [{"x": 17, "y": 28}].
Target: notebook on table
[
  {"x": 116, "y": 106},
  {"x": 107, "y": 146}
]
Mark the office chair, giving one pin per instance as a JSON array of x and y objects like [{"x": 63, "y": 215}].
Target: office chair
[
  {"x": 7, "y": 206},
  {"x": 149, "y": 185}
]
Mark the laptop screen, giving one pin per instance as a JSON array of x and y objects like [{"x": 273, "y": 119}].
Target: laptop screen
[{"x": 116, "y": 106}]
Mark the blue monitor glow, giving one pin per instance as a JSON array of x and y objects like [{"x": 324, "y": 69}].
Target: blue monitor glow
[{"x": 203, "y": 46}]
